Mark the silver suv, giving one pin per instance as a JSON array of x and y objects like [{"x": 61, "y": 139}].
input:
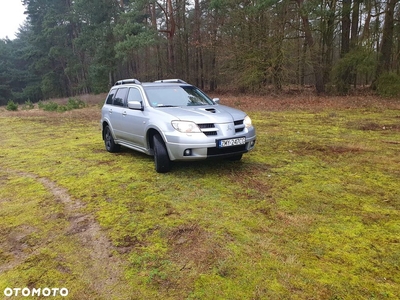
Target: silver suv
[{"x": 173, "y": 120}]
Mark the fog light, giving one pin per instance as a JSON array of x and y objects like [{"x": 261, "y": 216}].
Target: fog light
[
  {"x": 252, "y": 143},
  {"x": 187, "y": 152}
]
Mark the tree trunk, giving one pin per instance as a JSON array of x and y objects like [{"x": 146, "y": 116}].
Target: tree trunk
[
  {"x": 198, "y": 46},
  {"x": 355, "y": 17},
  {"x": 278, "y": 61},
  {"x": 387, "y": 39},
  {"x": 345, "y": 28},
  {"x": 171, "y": 34},
  {"x": 328, "y": 38},
  {"x": 345, "y": 39},
  {"x": 365, "y": 34},
  {"x": 317, "y": 67},
  {"x": 385, "y": 53}
]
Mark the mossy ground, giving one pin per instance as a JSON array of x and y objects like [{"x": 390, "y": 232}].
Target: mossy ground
[{"x": 311, "y": 213}]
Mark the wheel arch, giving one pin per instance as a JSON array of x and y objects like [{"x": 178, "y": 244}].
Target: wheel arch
[
  {"x": 149, "y": 138},
  {"x": 103, "y": 126}
]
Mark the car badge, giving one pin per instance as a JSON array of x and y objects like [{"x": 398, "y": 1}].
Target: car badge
[{"x": 229, "y": 128}]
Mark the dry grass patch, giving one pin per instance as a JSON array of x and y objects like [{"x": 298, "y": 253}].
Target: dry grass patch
[
  {"x": 194, "y": 249},
  {"x": 307, "y": 102}
]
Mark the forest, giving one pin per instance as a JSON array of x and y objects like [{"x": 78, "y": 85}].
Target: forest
[{"x": 73, "y": 47}]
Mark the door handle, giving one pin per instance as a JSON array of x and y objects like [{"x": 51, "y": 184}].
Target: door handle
[{"x": 124, "y": 113}]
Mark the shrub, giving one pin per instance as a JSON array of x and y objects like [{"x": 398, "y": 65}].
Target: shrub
[
  {"x": 28, "y": 105},
  {"x": 12, "y": 106},
  {"x": 388, "y": 85},
  {"x": 53, "y": 106},
  {"x": 62, "y": 108},
  {"x": 48, "y": 106},
  {"x": 75, "y": 104},
  {"x": 357, "y": 63}
]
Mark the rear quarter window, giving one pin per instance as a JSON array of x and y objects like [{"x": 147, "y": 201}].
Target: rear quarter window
[{"x": 110, "y": 97}]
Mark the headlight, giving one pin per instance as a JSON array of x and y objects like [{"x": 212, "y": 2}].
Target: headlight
[
  {"x": 185, "y": 126},
  {"x": 247, "y": 122}
]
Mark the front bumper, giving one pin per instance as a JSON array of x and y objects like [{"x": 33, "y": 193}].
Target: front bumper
[{"x": 199, "y": 146}]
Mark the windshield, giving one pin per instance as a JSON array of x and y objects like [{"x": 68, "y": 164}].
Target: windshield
[{"x": 167, "y": 96}]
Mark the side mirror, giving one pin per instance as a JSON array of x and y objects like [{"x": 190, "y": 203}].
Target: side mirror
[
  {"x": 216, "y": 100},
  {"x": 137, "y": 105}
]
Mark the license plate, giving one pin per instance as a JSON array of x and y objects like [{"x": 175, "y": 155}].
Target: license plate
[{"x": 231, "y": 142}]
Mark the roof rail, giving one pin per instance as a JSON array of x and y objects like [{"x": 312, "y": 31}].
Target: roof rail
[
  {"x": 170, "y": 81},
  {"x": 126, "y": 81}
]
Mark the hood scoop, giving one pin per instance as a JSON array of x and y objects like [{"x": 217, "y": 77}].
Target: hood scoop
[{"x": 211, "y": 110}]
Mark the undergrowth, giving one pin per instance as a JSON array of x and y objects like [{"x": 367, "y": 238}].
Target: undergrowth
[
  {"x": 311, "y": 213},
  {"x": 71, "y": 104},
  {"x": 12, "y": 106}
]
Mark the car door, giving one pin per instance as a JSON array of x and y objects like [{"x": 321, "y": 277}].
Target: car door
[
  {"x": 134, "y": 120},
  {"x": 116, "y": 111}
]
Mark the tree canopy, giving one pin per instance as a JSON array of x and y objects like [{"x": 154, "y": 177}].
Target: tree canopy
[{"x": 70, "y": 47}]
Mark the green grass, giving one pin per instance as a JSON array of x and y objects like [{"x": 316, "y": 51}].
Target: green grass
[{"x": 311, "y": 213}]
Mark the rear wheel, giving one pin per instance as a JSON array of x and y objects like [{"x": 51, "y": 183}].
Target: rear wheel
[
  {"x": 111, "y": 146},
  {"x": 161, "y": 159}
]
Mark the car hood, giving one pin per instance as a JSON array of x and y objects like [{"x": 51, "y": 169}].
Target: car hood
[{"x": 206, "y": 114}]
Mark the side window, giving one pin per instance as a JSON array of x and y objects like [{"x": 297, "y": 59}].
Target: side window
[
  {"x": 120, "y": 97},
  {"x": 110, "y": 97},
  {"x": 134, "y": 95}
]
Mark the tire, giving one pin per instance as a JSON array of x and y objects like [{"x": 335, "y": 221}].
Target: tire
[
  {"x": 111, "y": 146},
  {"x": 161, "y": 159}
]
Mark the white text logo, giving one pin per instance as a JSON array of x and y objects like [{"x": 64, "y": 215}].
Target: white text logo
[{"x": 27, "y": 292}]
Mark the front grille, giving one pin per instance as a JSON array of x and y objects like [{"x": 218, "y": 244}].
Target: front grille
[
  {"x": 207, "y": 129},
  {"x": 206, "y": 125},
  {"x": 208, "y": 133},
  {"x": 239, "y": 126}
]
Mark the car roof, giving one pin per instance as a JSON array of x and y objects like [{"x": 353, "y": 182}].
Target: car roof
[{"x": 163, "y": 82}]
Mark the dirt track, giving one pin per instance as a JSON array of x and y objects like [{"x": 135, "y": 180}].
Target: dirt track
[{"x": 103, "y": 271}]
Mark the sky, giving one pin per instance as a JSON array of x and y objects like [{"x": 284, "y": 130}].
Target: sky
[{"x": 11, "y": 17}]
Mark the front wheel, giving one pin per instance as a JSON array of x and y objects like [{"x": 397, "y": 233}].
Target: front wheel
[
  {"x": 111, "y": 146},
  {"x": 161, "y": 159}
]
